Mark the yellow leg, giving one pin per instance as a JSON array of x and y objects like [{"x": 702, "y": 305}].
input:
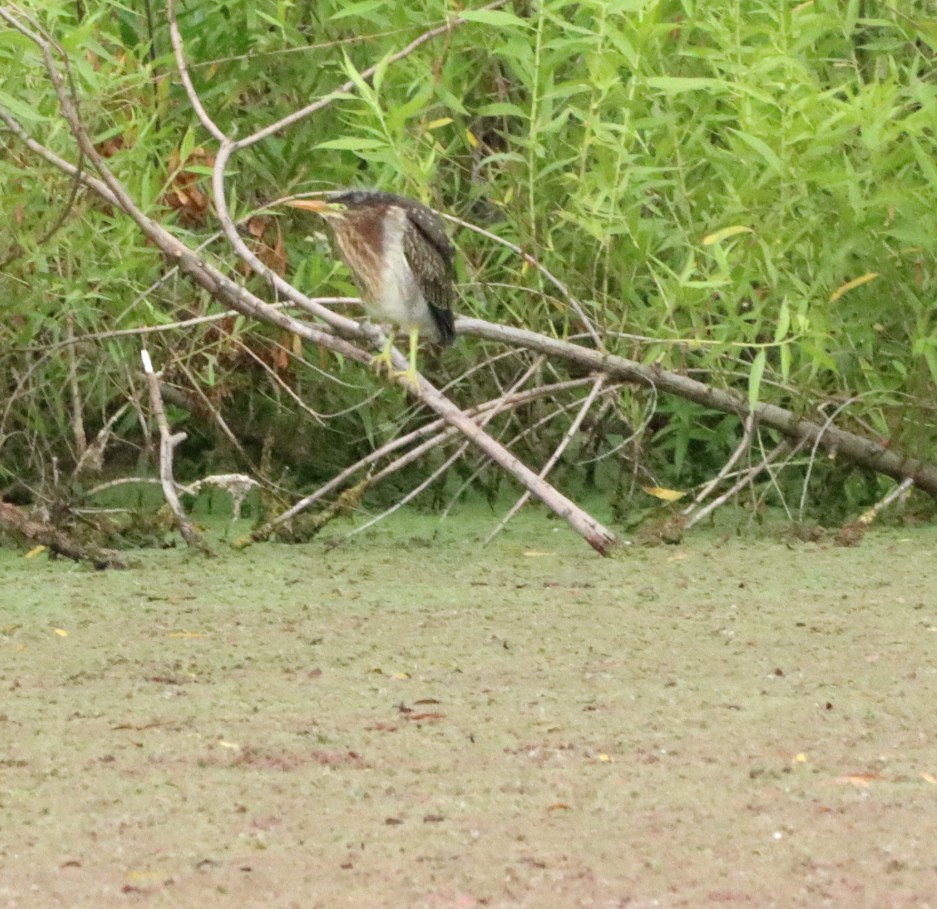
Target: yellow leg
[
  {"x": 381, "y": 362},
  {"x": 410, "y": 375}
]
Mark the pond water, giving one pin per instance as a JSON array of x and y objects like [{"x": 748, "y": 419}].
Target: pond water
[{"x": 414, "y": 720}]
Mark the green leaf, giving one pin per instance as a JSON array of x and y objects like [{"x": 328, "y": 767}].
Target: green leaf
[
  {"x": 498, "y": 17},
  {"x": 925, "y": 160},
  {"x": 276, "y": 23},
  {"x": 355, "y": 76},
  {"x": 674, "y": 85},
  {"x": 357, "y": 9},
  {"x": 755, "y": 376},
  {"x": 927, "y": 29},
  {"x": 930, "y": 356},
  {"x": 724, "y": 234},
  {"x": 187, "y": 144},
  {"x": 762, "y": 148},
  {"x": 784, "y": 322},
  {"x": 502, "y": 109},
  {"x": 19, "y": 109},
  {"x": 785, "y": 351},
  {"x": 353, "y": 143}
]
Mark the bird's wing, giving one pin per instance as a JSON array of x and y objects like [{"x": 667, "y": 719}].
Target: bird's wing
[{"x": 430, "y": 255}]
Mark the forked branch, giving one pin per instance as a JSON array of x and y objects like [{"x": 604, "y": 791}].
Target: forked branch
[{"x": 232, "y": 295}]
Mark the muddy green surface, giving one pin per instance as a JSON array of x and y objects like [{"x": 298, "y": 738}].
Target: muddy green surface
[{"x": 412, "y": 720}]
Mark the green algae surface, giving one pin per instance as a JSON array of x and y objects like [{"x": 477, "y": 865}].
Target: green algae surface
[{"x": 415, "y": 720}]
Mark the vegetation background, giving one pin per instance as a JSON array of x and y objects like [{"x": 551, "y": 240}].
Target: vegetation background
[{"x": 745, "y": 191}]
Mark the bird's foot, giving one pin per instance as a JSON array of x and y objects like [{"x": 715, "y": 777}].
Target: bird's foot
[
  {"x": 408, "y": 377},
  {"x": 381, "y": 363}
]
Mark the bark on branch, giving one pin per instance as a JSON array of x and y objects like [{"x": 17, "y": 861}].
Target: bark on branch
[
  {"x": 839, "y": 442},
  {"x": 28, "y": 530},
  {"x": 168, "y": 440},
  {"x": 236, "y": 297},
  {"x": 343, "y": 336}
]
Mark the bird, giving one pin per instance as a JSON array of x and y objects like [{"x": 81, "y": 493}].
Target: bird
[{"x": 401, "y": 260}]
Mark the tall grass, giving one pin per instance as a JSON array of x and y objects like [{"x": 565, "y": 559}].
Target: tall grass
[{"x": 713, "y": 178}]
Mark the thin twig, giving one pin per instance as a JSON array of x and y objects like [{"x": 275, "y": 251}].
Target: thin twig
[
  {"x": 745, "y": 479},
  {"x": 93, "y": 455},
  {"x": 557, "y": 453},
  {"x": 435, "y": 426},
  {"x": 747, "y": 427},
  {"x": 536, "y": 264},
  {"x": 236, "y": 485},
  {"x": 900, "y": 490},
  {"x": 813, "y": 451},
  {"x": 78, "y": 424},
  {"x": 157, "y": 329},
  {"x": 527, "y": 429},
  {"x": 413, "y": 493},
  {"x": 60, "y": 220},
  {"x": 486, "y": 417}
]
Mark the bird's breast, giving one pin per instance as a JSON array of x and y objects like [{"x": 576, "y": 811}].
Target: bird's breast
[{"x": 401, "y": 300}]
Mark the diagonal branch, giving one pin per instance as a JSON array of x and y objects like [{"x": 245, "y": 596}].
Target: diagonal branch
[
  {"x": 439, "y": 434},
  {"x": 558, "y": 451},
  {"x": 237, "y": 297},
  {"x": 599, "y": 537},
  {"x": 864, "y": 452}
]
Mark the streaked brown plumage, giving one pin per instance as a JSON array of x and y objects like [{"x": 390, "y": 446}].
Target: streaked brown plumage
[{"x": 401, "y": 260}]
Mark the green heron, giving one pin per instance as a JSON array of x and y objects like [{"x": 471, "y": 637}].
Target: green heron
[{"x": 401, "y": 260}]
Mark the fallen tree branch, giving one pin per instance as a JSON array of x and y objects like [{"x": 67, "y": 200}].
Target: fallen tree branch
[
  {"x": 740, "y": 449},
  {"x": 237, "y": 485},
  {"x": 900, "y": 491},
  {"x": 233, "y": 295},
  {"x": 332, "y": 334},
  {"x": 746, "y": 478},
  {"x": 859, "y": 450},
  {"x": 428, "y": 429},
  {"x": 486, "y": 417},
  {"x": 17, "y": 523}
]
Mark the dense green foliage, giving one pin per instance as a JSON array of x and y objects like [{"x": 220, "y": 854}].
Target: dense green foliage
[{"x": 706, "y": 178}]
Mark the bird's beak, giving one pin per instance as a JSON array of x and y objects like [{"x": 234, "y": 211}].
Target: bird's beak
[{"x": 320, "y": 206}]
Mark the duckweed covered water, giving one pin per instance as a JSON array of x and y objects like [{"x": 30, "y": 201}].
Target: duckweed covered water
[{"x": 413, "y": 720}]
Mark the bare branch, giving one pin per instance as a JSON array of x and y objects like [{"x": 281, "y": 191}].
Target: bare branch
[
  {"x": 15, "y": 521},
  {"x": 901, "y": 490},
  {"x": 740, "y": 449},
  {"x": 434, "y": 428},
  {"x": 236, "y": 485},
  {"x": 575, "y": 305},
  {"x": 864, "y": 452},
  {"x": 93, "y": 455},
  {"x": 746, "y": 479},
  {"x": 558, "y": 451},
  {"x": 168, "y": 443},
  {"x": 78, "y": 423}
]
